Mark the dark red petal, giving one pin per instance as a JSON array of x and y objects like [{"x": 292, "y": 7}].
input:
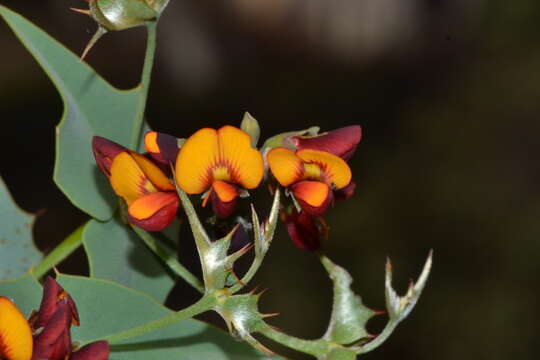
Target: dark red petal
[
  {"x": 98, "y": 350},
  {"x": 301, "y": 192},
  {"x": 160, "y": 219},
  {"x": 346, "y": 192},
  {"x": 53, "y": 296},
  {"x": 341, "y": 142},
  {"x": 302, "y": 230},
  {"x": 221, "y": 208},
  {"x": 105, "y": 151},
  {"x": 162, "y": 147},
  {"x": 54, "y": 341}
]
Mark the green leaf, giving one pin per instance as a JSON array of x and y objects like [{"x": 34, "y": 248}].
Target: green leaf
[
  {"x": 17, "y": 250},
  {"x": 116, "y": 253},
  {"x": 91, "y": 107},
  {"x": 106, "y": 308},
  {"x": 25, "y": 291},
  {"x": 349, "y": 314}
]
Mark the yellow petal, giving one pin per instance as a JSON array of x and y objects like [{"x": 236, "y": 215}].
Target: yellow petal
[
  {"x": 244, "y": 162},
  {"x": 15, "y": 333},
  {"x": 285, "y": 165},
  {"x": 335, "y": 169},
  {"x": 128, "y": 180},
  {"x": 153, "y": 172},
  {"x": 195, "y": 161}
]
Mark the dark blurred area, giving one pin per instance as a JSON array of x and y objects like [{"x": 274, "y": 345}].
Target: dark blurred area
[{"x": 447, "y": 93}]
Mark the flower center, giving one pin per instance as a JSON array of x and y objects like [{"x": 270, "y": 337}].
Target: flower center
[
  {"x": 313, "y": 171},
  {"x": 221, "y": 173}
]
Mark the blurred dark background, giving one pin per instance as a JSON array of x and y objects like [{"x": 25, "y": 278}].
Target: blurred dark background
[{"x": 447, "y": 93}]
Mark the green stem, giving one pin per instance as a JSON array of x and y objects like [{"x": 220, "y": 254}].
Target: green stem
[
  {"x": 145, "y": 82},
  {"x": 206, "y": 303},
  {"x": 170, "y": 261},
  {"x": 59, "y": 253},
  {"x": 312, "y": 347}
]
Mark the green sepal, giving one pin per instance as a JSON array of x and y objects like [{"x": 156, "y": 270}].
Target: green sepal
[
  {"x": 349, "y": 315},
  {"x": 280, "y": 140}
]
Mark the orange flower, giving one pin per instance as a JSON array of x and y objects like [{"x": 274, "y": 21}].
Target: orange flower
[
  {"x": 310, "y": 175},
  {"x": 15, "y": 333},
  {"x": 151, "y": 196},
  {"x": 221, "y": 163}
]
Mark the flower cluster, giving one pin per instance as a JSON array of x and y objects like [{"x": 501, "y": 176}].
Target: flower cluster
[
  {"x": 46, "y": 335},
  {"x": 222, "y": 165}
]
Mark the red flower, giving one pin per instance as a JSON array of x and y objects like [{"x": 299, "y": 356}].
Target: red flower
[
  {"x": 50, "y": 327},
  {"x": 304, "y": 230}
]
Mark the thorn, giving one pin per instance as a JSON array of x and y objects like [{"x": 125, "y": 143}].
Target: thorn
[
  {"x": 275, "y": 328},
  {"x": 265, "y": 316},
  {"x": 254, "y": 290},
  {"x": 99, "y": 33},
  {"x": 372, "y": 336},
  {"x": 379, "y": 312},
  {"x": 82, "y": 11},
  {"x": 411, "y": 284},
  {"x": 262, "y": 292}
]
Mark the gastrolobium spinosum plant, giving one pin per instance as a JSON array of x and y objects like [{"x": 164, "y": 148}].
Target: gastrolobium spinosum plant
[{"x": 137, "y": 184}]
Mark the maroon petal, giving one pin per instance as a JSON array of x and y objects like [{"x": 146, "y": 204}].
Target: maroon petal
[
  {"x": 105, "y": 151},
  {"x": 53, "y": 296},
  {"x": 162, "y": 147},
  {"x": 98, "y": 350},
  {"x": 341, "y": 142},
  {"x": 346, "y": 192},
  {"x": 221, "y": 208},
  {"x": 302, "y": 229},
  {"x": 54, "y": 341}
]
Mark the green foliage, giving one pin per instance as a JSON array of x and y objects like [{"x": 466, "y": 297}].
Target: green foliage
[
  {"x": 25, "y": 291},
  {"x": 116, "y": 253},
  {"x": 131, "y": 272},
  {"x": 102, "y": 304},
  {"x": 349, "y": 315},
  {"x": 91, "y": 107},
  {"x": 15, "y": 238}
]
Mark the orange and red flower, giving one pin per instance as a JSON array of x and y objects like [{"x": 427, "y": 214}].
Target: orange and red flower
[
  {"x": 310, "y": 175},
  {"x": 150, "y": 195},
  {"x": 220, "y": 163},
  {"x": 47, "y": 334}
]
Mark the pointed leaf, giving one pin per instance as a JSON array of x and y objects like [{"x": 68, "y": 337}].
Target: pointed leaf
[
  {"x": 17, "y": 250},
  {"x": 349, "y": 315},
  {"x": 91, "y": 107},
  {"x": 106, "y": 308},
  {"x": 116, "y": 253}
]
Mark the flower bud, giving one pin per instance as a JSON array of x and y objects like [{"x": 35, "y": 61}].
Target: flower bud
[
  {"x": 250, "y": 125},
  {"x": 116, "y": 15}
]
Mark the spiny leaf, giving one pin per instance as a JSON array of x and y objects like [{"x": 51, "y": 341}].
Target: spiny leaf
[{"x": 349, "y": 314}]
